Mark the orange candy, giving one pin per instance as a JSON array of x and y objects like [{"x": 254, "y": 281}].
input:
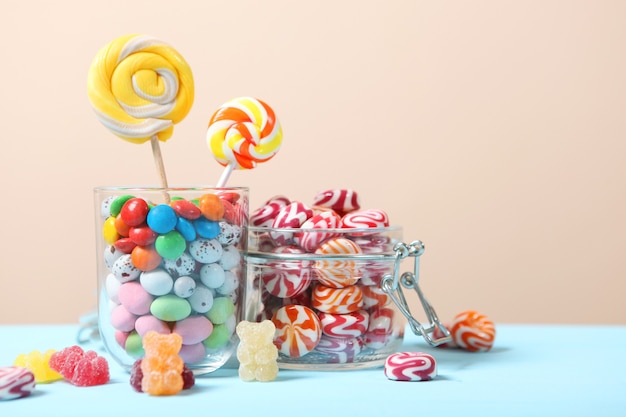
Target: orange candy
[
  {"x": 473, "y": 331},
  {"x": 121, "y": 226},
  {"x": 162, "y": 367},
  {"x": 145, "y": 258},
  {"x": 211, "y": 207}
]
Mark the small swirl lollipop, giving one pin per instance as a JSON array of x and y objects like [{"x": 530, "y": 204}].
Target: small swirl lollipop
[
  {"x": 140, "y": 88},
  {"x": 242, "y": 133}
]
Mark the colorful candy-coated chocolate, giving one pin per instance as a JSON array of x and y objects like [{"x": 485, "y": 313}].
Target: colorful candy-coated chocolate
[
  {"x": 16, "y": 382},
  {"x": 186, "y": 209},
  {"x": 342, "y": 272},
  {"x": 339, "y": 349},
  {"x": 298, "y": 330},
  {"x": 211, "y": 207},
  {"x": 170, "y": 308},
  {"x": 244, "y": 132},
  {"x": 140, "y": 88},
  {"x": 193, "y": 329},
  {"x": 287, "y": 279},
  {"x": 365, "y": 219},
  {"x": 342, "y": 200},
  {"x": 410, "y": 366},
  {"x": 473, "y": 331},
  {"x": 134, "y": 211},
  {"x": 121, "y": 226},
  {"x": 135, "y": 298},
  {"x": 337, "y": 300},
  {"x": 145, "y": 258},
  {"x": 142, "y": 235},
  {"x": 348, "y": 325},
  {"x": 314, "y": 230}
]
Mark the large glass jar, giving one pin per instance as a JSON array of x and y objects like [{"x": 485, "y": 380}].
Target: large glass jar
[{"x": 171, "y": 260}]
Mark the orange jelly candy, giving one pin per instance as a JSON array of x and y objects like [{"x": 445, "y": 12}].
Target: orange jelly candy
[{"x": 162, "y": 366}]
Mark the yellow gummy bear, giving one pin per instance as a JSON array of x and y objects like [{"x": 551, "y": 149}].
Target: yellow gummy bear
[
  {"x": 256, "y": 352},
  {"x": 39, "y": 365}
]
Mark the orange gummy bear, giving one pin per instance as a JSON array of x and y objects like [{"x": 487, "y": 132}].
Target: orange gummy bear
[{"x": 162, "y": 366}]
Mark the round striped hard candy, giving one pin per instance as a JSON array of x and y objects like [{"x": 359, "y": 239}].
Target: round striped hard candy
[
  {"x": 337, "y": 300},
  {"x": 342, "y": 200},
  {"x": 289, "y": 217},
  {"x": 410, "y": 366},
  {"x": 374, "y": 297},
  {"x": 339, "y": 349},
  {"x": 264, "y": 216},
  {"x": 347, "y": 325},
  {"x": 314, "y": 231},
  {"x": 298, "y": 330},
  {"x": 287, "y": 278},
  {"x": 16, "y": 382},
  {"x": 365, "y": 219},
  {"x": 381, "y": 328},
  {"x": 473, "y": 331},
  {"x": 338, "y": 273}
]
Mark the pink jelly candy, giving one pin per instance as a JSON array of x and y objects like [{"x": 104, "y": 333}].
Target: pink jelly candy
[{"x": 80, "y": 368}]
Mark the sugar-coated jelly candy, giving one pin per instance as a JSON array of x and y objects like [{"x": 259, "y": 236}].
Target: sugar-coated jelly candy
[
  {"x": 80, "y": 368},
  {"x": 161, "y": 366},
  {"x": 410, "y": 366},
  {"x": 39, "y": 364},
  {"x": 16, "y": 382},
  {"x": 256, "y": 352}
]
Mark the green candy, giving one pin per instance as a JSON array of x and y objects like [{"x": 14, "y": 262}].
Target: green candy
[
  {"x": 118, "y": 203},
  {"x": 221, "y": 310},
  {"x": 170, "y": 245},
  {"x": 170, "y": 308},
  {"x": 134, "y": 345},
  {"x": 218, "y": 337}
]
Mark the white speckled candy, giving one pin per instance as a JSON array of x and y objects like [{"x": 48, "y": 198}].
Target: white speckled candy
[
  {"x": 201, "y": 300},
  {"x": 205, "y": 251},
  {"x": 111, "y": 254},
  {"x": 410, "y": 366},
  {"x": 124, "y": 269},
  {"x": 16, "y": 382},
  {"x": 112, "y": 286},
  {"x": 230, "y": 234},
  {"x": 183, "y": 265}
]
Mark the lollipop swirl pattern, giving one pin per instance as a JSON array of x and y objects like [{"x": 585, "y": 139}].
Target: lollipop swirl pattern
[
  {"x": 140, "y": 87},
  {"x": 244, "y": 132}
]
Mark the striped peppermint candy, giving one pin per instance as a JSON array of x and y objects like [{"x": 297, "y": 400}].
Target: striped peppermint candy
[
  {"x": 473, "y": 331},
  {"x": 290, "y": 216},
  {"x": 410, "y": 366},
  {"x": 264, "y": 216},
  {"x": 342, "y": 200},
  {"x": 365, "y": 219},
  {"x": 337, "y": 300},
  {"x": 347, "y": 325},
  {"x": 16, "y": 382},
  {"x": 380, "y": 329},
  {"x": 298, "y": 330},
  {"x": 314, "y": 230},
  {"x": 339, "y": 349},
  {"x": 374, "y": 297},
  {"x": 287, "y": 279}
]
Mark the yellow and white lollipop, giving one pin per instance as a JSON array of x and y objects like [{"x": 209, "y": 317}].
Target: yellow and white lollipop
[{"x": 140, "y": 88}]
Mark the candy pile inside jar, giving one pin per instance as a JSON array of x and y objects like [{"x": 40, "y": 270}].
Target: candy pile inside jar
[
  {"x": 172, "y": 268},
  {"x": 315, "y": 271}
]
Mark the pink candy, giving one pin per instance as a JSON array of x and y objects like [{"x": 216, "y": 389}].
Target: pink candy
[
  {"x": 347, "y": 325},
  {"x": 365, "y": 219},
  {"x": 292, "y": 215},
  {"x": 16, "y": 382},
  {"x": 264, "y": 216},
  {"x": 313, "y": 234},
  {"x": 287, "y": 279},
  {"x": 410, "y": 366},
  {"x": 342, "y": 201}
]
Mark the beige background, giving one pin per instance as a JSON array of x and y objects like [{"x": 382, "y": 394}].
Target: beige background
[{"x": 494, "y": 131}]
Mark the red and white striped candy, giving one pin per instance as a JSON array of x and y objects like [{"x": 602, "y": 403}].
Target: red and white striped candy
[
  {"x": 313, "y": 230},
  {"x": 298, "y": 330},
  {"x": 473, "y": 331},
  {"x": 236, "y": 212},
  {"x": 365, "y": 219},
  {"x": 338, "y": 273},
  {"x": 264, "y": 216},
  {"x": 338, "y": 349},
  {"x": 290, "y": 216},
  {"x": 342, "y": 201},
  {"x": 374, "y": 297},
  {"x": 337, "y": 300},
  {"x": 347, "y": 325},
  {"x": 287, "y": 279},
  {"x": 380, "y": 329},
  {"x": 410, "y": 366},
  {"x": 16, "y": 382}
]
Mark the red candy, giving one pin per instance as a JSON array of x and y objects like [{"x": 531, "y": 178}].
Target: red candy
[
  {"x": 341, "y": 201},
  {"x": 347, "y": 325},
  {"x": 310, "y": 240},
  {"x": 80, "y": 368},
  {"x": 186, "y": 209},
  {"x": 264, "y": 216},
  {"x": 292, "y": 215},
  {"x": 287, "y": 279},
  {"x": 135, "y": 211},
  {"x": 16, "y": 382},
  {"x": 298, "y": 330},
  {"x": 380, "y": 329},
  {"x": 374, "y": 297},
  {"x": 410, "y": 366},
  {"x": 365, "y": 219},
  {"x": 473, "y": 331}
]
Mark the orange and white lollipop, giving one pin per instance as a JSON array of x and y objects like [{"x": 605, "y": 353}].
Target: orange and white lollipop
[{"x": 242, "y": 133}]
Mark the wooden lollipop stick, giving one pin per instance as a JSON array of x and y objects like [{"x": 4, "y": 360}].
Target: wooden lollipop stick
[{"x": 158, "y": 160}]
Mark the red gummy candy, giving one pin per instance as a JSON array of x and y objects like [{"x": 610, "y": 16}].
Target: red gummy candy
[
  {"x": 136, "y": 375},
  {"x": 80, "y": 368}
]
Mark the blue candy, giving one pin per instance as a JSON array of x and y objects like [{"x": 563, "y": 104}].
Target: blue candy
[
  {"x": 162, "y": 218},
  {"x": 185, "y": 228},
  {"x": 206, "y": 228}
]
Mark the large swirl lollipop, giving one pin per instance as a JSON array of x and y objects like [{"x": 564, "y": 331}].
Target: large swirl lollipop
[
  {"x": 242, "y": 133},
  {"x": 140, "y": 88}
]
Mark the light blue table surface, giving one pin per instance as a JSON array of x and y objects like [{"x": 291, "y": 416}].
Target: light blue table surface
[{"x": 533, "y": 370}]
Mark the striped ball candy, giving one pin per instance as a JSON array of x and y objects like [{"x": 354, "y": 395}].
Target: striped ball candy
[
  {"x": 338, "y": 349},
  {"x": 347, "y": 325},
  {"x": 473, "y": 331},
  {"x": 289, "y": 217},
  {"x": 337, "y": 300},
  {"x": 313, "y": 230},
  {"x": 365, "y": 219},
  {"x": 298, "y": 330},
  {"x": 288, "y": 278},
  {"x": 16, "y": 382},
  {"x": 410, "y": 366},
  {"x": 374, "y": 297},
  {"x": 341, "y": 272},
  {"x": 342, "y": 201},
  {"x": 264, "y": 216},
  {"x": 381, "y": 328}
]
